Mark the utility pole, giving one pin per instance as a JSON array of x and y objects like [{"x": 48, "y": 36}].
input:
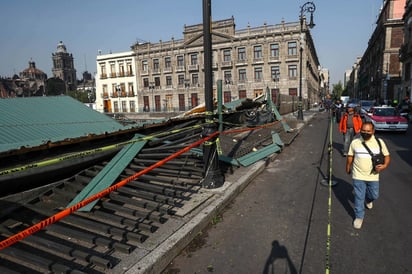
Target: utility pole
[{"x": 213, "y": 177}]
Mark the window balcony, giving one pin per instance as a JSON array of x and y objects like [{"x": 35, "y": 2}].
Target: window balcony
[
  {"x": 113, "y": 75},
  {"x": 194, "y": 67},
  {"x": 180, "y": 69},
  {"x": 120, "y": 74},
  {"x": 103, "y": 76},
  {"x": 226, "y": 64},
  {"x": 167, "y": 70}
]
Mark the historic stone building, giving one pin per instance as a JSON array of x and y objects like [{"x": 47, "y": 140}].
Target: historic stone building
[
  {"x": 63, "y": 67},
  {"x": 405, "y": 53},
  {"x": 169, "y": 75},
  {"x": 380, "y": 68}
]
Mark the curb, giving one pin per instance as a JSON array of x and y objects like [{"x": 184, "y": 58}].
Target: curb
[{"x": 159, "y": 258}]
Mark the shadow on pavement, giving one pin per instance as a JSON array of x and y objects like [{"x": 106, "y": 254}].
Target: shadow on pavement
[
  {"x": 343, "y": 192},
  {"x": 278, "y": 252}
]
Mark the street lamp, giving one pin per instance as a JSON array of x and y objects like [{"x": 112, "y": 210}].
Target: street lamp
[
  {"x": 118, "y": 89},
  {"x": 151, "y": 88},
  {"x": 307, "y": 7}
]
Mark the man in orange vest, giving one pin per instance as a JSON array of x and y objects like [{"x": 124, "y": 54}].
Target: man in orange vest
[{"x": 350, "y": 125}]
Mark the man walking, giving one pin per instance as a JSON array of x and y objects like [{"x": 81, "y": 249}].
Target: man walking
[
  {"x": 365, "y": 176},
  {"x": 349, "y": 125}
]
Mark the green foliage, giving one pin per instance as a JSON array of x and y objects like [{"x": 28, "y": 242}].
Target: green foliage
[
  {"x": 337, "y": 90},
  {"x": 82, "y": 96},
  {"x": 55, "y": 86}
]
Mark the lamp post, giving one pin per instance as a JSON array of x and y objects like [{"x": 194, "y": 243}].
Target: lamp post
[
  {"x": 118, "y": 89},
  {"x": 307, "y": 7},
  {"x": 151, "y": 88},
  {"x": 187, "y": 86}
]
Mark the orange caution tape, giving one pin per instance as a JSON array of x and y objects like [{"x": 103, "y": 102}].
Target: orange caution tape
[{"x": 60, "y": 215}]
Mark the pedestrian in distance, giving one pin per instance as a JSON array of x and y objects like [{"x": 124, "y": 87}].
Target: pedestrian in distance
[
  {"x": 365, "y": 175},
  {"x": 338, "y": 110},
  {"x": 350, "y": 125}
]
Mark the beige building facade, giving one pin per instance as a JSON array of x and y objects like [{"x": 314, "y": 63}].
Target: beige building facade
[{"x": 168, "y": 76}]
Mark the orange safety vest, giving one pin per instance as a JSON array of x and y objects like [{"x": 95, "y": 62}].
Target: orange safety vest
[{"x": 357, "y": 123}]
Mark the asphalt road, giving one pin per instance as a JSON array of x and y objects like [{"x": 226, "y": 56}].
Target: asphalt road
[{"x": 279, "y": 223}]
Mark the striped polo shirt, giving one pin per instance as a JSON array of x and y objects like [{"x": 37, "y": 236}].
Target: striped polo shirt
[{"x": 362, "y": 163}]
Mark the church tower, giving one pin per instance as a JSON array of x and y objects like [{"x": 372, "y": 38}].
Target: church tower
[{"x": 63, "y": 67}]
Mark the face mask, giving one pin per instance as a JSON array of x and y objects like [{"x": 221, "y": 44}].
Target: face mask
[{"x": 366, "y": 136}]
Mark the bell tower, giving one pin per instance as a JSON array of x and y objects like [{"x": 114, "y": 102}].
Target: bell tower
[{"x": 63, "y": 67}]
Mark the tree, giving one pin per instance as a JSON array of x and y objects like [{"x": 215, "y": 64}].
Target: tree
[
  {"x": 337, "y": 90},
  {"x": 55, "y": 86}
]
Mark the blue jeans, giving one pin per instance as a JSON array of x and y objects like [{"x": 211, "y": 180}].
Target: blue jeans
[
  {"x": 348, "y": 137},
  {"x": 365, "y": 191}
]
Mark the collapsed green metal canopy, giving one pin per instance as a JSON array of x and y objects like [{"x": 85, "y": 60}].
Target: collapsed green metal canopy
[{"x": 34, "y": 121}]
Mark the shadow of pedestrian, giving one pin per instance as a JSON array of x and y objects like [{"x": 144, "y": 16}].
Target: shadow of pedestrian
[
  {"x": 278, "y": 252},
  {"x": 344, "y": 193}
]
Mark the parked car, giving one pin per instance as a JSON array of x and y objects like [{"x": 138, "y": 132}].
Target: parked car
[{"x": 386, "y": 119}]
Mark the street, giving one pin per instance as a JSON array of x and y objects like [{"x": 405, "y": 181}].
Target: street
[{"x": 279, "y": 223}]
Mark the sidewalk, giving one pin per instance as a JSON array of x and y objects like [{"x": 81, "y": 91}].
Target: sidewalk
[{"x": 211, "y": 202}]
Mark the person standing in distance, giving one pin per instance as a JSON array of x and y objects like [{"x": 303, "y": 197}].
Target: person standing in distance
[
  {"x": 350, "y": 125},
  {"x": 365, "y": 179}
]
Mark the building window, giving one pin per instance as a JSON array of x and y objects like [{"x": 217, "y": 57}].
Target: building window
[
  {"x": 157, "y": 81},
  {"x": 181, "y": 80},
  {"x": 274, "y": 50},
  {"x": 195, "y": 79},
  {"x": 181, "y": 102},
  {"x": 275, "y": 73},
  {"x": 129, "y": 69},
  {"x": 258, "y": 74},
  {"x": 169, "y": 81},
  {"x": 293, "y": 91},
  {"x": 180, "y": 61},
  {"x": 227, "y": 55},
  {"x": 194, "y": 100},
  {"x": 145, "y": 66},
  {"x": 146, "y": 105},
  {"x": 242, "y": 75},
  {"x": 194, "y": 59},
  {"x": 227, "y": 97},
  {"x": 242, "y": 94},
  {"x": 293, "y": 71},
  {"x": 241, "y": 54},
  {"x": 112, "y": 70},
  {"x": 292, "y": 49},
  {"x": 168, "y": 62},
  {"x": 158, "y": 105},
  {"x": 130, "y": 89},
  {"x": 156, "y": 65},
  {"x": 132, "y": 105},
  {"x": 227, "y": 76},
  {"x": 257, "y": 52},
  {"x": 146, "y": 82}
]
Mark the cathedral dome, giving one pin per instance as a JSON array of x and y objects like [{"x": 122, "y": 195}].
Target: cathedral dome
[{"x": 33, "y": 73}]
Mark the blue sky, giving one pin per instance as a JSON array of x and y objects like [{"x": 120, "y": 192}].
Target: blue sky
[{"x": 32, "y": 29}]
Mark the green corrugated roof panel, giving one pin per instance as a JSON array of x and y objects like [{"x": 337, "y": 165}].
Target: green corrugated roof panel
[
  {"x": 33, "y": 121},
  {"x": 233, "y": 104},
  {"x": 108, "y": 175}
]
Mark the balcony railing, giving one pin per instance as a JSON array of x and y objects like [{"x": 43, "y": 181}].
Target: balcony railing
[
  {"x": 226, "y": 64},
  {"x": 113, "y": 75},
  {"x": 193, "y": 67},
  {"x": 103, "y": 76}
]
